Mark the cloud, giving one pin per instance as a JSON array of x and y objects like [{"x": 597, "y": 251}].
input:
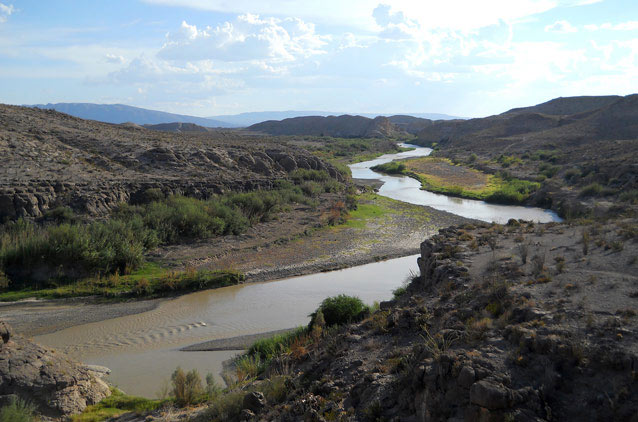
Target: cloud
[
  {"x": 5, "y": 11},
  {"x": 115, "y": 59},
  {"x": 623, "y": 26},
  {"x": 562, "y": 27},
  {"x": 248, "y": 37},
  {"x": 451, "y": 14}
]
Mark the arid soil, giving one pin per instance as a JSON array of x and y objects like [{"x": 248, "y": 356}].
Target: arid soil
[
  {"x": 446, "y": 174},
  {"x": 290, "y": 246}
]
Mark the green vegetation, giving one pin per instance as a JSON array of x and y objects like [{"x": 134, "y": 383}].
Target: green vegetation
[
  {"x": 348, "y": 150},
  {"x": 593, "y": 189},
  {"x": 150, "y": 280},
  {"x": 268, "y": 348},
  {"x": 500, "y": 188},
  {"x": 341, "y": 309},
  {"x": 393, "y": 167},
  {"x": 17, "y": 411},
  {"x": 116, "y": 404},
  {"x": 61, "y": 250}
]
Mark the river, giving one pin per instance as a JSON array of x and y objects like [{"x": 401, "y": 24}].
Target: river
[{"x": 143, "y": 349}]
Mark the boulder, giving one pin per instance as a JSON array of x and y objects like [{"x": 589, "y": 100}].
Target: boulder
[
  {"x": 490, "y": 395},
  {"x": 254, "y": 401},
  {"x": 56, "y": 385}
]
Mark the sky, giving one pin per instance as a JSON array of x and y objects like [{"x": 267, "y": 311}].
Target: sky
[{"x": 209, "y": 57}]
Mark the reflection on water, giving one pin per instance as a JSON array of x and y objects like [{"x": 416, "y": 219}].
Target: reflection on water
[
  {"x": 407, "y": 189},
  {"x": 143, "y": 349}
]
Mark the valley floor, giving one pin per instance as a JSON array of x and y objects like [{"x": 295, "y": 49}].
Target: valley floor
[{"x": 291, "y": 245}]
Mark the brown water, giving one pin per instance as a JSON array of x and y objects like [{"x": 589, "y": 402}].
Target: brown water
[{"x": 142, "y": 350}]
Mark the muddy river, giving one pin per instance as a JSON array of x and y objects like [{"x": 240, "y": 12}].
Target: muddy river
[{"x": 142, "y": 350}]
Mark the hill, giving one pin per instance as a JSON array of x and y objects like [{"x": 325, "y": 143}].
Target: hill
[
  {"x": 52, "y": 159},
  {"x": 344, "y": 126},
  {"x": 594, "y": 148},
  {"x": 120, "y": 113},
  {"x": 247, "y": 119}
]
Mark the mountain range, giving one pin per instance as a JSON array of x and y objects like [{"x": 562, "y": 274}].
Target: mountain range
[{"x": 121, "y": 113}]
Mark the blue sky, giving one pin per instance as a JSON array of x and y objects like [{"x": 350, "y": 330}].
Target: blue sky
[{"x": 208, "y": 57}]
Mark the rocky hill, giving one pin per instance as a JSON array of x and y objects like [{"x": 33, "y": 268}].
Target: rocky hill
[
  {"x": 345, "y": 126},
  {"x": 585, "y": 160},
  {"x": 52, "y": 159}
]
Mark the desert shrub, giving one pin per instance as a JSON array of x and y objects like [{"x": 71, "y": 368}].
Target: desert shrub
[
  {"x": 341, "y": 309},
  {"x": 300, "y": 175},
  {"x": 17, "y": 411},
  {"x": 593, "y": 189},
  {"x": 60, "y": 215},
  {"x": 572, "y": 175},
  {"x": 548, "y": 170},
  {"x": 310, "y": 188},
  {"x": 225, "y": 407},
  {"x": 187, "y": 387},
  {"x": 630, "y": 196}
]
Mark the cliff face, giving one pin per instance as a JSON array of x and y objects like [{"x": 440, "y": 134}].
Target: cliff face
[
  {"x": 56, "y": 385},
  {"x": 52, "y": 159}
]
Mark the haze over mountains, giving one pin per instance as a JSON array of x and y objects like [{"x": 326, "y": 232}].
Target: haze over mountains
[{"x": 121, "y": 113}]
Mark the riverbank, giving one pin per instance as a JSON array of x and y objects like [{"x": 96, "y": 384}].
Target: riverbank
[
  {"x": 441, "y": 175},
  {"x": 379, "y": 229}
]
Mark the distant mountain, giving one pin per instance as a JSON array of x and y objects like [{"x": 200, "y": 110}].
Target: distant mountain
[
  {"x": 120, "y": 113},
  {"x": 344, "y": 126},
  {"x": 178, "y": 127},
  {"x": 247, "y": 119}
]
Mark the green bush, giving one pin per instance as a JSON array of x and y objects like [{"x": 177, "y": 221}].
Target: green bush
[
  {"x": 270, "y": 347},
  {"x": 393, "y": 167},
  {"x": 513, "y": 191},
  {"x": 340, "y": 309},
  {"x": 187, "y": 387},
  {"x": 17, "y": 411},
  {"x": 593, "y": 189}
]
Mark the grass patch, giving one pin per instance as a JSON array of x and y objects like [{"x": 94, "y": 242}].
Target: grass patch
[
  {"x": 61, "y": 250},
  {"x": 440, "y": 175},
  {"x": 150, "y": 280},
  {"x": 117, "y": 404}
]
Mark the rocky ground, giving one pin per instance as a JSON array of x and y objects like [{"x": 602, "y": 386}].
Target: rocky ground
[
  {"x": 293, "y": 245},
  {"x": 52, "y": 159},
  {"x": 521, "y": 322}
]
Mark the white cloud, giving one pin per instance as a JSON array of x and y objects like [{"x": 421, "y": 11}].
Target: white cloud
[
  {"x": 454, "y": 14},
  {"x": 623, "y": 26},
  {"x": 5, "y": 11},
  {"x": 248, "y": 37},
  {"x": 562, "y": 27},
  {"x": 113, "y": 58}
]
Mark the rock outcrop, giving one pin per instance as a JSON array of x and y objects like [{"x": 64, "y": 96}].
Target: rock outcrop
[
  {"x": 51, "y": 159},
  {"x": 55, "y": 384}
]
